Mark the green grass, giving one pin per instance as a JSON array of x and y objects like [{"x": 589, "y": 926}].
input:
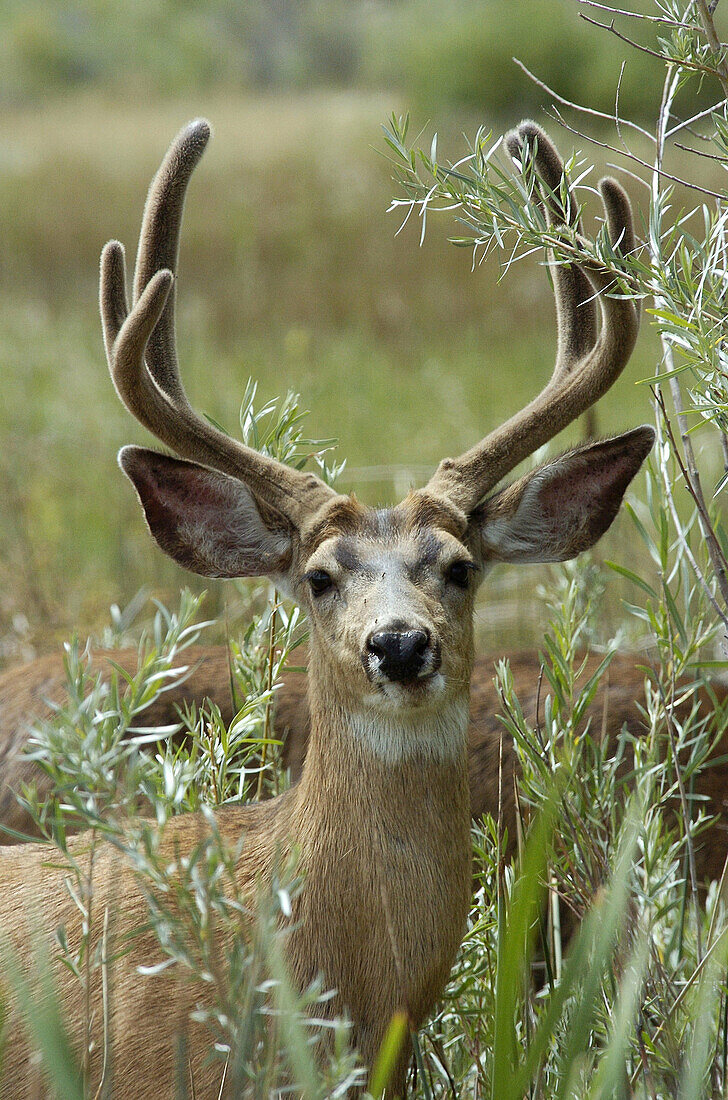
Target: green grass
[{"x": 455, "y": 53}]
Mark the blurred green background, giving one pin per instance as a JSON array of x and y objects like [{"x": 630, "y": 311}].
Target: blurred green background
[{"x": 290, "y": 270}]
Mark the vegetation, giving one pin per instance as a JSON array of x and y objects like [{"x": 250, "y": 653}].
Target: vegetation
[
  {"x": 636, "y": 1004},
  {"x": 456, "y": 54}
]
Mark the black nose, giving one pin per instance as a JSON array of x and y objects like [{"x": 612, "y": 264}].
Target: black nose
[{"x": 401, "y": 654}]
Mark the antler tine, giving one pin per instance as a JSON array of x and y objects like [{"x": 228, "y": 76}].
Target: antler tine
[
  {"x": 112, "y": 293},
  {"x": 151, "y": 388},
  {"x": 159, "y": 247},
  {"x": 585, "y": 367},
  {"x": 576, "y": 310}
]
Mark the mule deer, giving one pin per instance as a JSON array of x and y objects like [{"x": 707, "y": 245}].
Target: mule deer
[{"x": 381, "y": 813}]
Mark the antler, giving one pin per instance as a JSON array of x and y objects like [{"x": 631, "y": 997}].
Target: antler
[
  {"x": 586, "y": 365},
  {"x": 141, "y": 348}
]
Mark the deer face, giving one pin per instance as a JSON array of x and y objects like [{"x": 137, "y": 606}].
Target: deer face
[{"x": 390, "y": 596}]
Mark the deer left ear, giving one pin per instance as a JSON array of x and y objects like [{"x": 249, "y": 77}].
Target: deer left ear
[
  {"x": 206, "y": 521},
  {"x": 563, "y": 507}
]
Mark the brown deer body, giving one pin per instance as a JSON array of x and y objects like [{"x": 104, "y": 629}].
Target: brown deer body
[
  {"x": 361, "y": 917},
  {"x": 379, "y": 820}
]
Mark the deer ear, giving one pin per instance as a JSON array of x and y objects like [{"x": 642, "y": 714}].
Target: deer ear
[
  {"x": 559, "y": 509},
  {"x": 208, "y": 522}
]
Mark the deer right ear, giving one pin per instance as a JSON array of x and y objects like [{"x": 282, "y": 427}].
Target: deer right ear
[
  {"x": 561, "y": 508},
  {"x": 208, "y": 522}
]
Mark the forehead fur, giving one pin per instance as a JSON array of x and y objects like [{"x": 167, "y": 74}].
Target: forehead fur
[
  {"x": 422, "y": 510},
  {"x": 417, "y": 514},
  {"x": 344, "y": 516}
]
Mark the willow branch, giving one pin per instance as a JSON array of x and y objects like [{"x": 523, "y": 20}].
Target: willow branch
[
  {"x": 721, "y": 68},
  {"x": 580, "y": 106},
  {"x": 700, "y": 153},
  {"x": 693, "y": 66},
  {"x": 689, "y": 468},
  {"x": 642, "y": 16},
  {"x": 685, "y": 124},
  {"x": 664, "y": 422},
  {"x": 558, "y": 117}
]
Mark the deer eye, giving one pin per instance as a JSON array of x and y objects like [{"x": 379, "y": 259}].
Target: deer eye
[
  {"x": 459, "y": 573},
  {"x": 320, "y": 581}
]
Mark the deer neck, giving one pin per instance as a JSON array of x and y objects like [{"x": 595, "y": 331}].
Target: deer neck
[
  {"x": 377, "y": 781},
  {"x": 354, "y": 744},
  {"x": 382, "y": 828}
]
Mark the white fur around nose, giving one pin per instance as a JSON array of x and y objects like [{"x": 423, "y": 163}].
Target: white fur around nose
[{"x": 434, "y": 736}]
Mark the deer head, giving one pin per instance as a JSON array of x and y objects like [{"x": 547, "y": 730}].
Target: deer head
[{"x": 389, "y": 593}]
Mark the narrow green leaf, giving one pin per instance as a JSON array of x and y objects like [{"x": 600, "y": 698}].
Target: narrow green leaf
[{"x": 388, "y": 1053}]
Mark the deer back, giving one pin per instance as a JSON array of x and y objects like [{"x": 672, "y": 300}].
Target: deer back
[
  {"x": 144, "y": 1028},
  {"x": 29, "y": 694}
]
